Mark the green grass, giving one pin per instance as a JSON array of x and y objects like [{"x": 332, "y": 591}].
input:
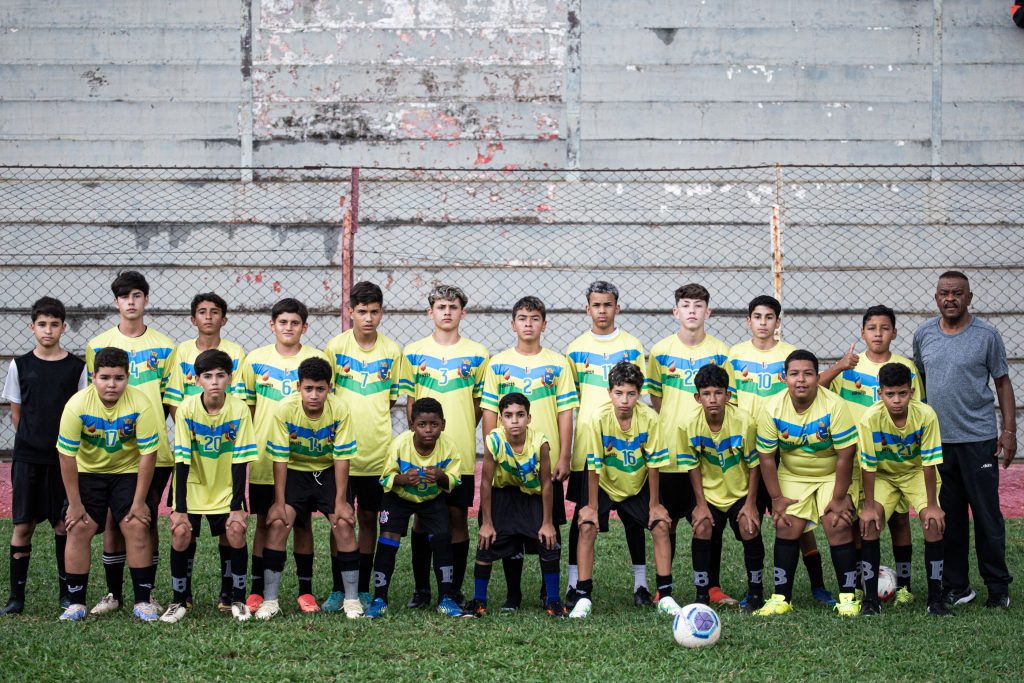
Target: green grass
[{"x": 619, "y": 642}]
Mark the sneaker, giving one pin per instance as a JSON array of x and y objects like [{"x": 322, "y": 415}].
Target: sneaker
[
  {"x": 145, "y": 611},
  {"x": 419, "y": 600},
  {"x": 939, "y": 608},
  {"x": 224, "y": 603},
  {"x": 307, "y": 604},
  {"x": 557, "y": 610},
  {"x": 175, "y": 613},
  {"x": 511, "y": 605},
  {"x": 824, "y": 596},
  {"x": 449, "y": 607},
  {"x": 240, "y": 611},
  {"x": 73, "y": 613},
  {"x": 13, "y": 607},
  {"x": 955, "y": 597},
  {"x": 903, "y": 597},
  {"x": 777, "y": 604},
  {"x": 870, "y": 608},
  {"x": 353, "y": 608},
  {"x": 642, "y": 597},
  {"x": 998, "y": 600},
  {"x": 719, "y": 598},
  {"x": 254, "y": 601},
  {"x": 268, "y": 610},
  {"x": 377, "y": 609},
  {"x": 334, "y": 602},
  {"x": 571, "y": 596},
  {"x": 582, "y": 609},
  {"x": 848, "y": 605},
  {"x": 476, "y": 608},
  {"x": 365, "y": 599},
  {"x": 106, "y": 605},
  {"x": 752, "y": 603},
  {"x": 668, "y": 605}
]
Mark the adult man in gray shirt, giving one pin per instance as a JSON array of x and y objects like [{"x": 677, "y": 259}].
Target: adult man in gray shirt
[{"x": 957, "y": 353}]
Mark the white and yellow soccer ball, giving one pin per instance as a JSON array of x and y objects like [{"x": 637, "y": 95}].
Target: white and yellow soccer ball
[
  {"x": 886, "y": 583},
  {"x": 696, "y": 625}
]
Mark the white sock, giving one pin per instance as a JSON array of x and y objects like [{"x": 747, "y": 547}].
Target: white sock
[
  {"x": 639, "y": 576},
  {"x": 574, "y": 575}
]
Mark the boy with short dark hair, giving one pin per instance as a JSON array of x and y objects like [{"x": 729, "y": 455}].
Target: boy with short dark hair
[
  {"x": 516, "y": 504},
  {"x": 108, "y": 440},
  {"x": 310, "y": 441},
  {"x": 38, "y": 386},
  {"x": 423, "y": 464},
  {"x": 214, "y": 441},
  {"x": 269, "y": 375},
  {"x": 624, "y": 455}
]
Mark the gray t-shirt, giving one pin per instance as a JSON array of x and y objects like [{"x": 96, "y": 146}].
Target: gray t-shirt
[{"x": 956, "y": 368}]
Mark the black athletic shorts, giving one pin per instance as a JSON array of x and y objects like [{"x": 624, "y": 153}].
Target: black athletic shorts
[
  {"x": 218, "y": 523},
  {"x": 114, "y": 492},
  {"x": 462, "y": 495},
  {"x": 676, "y": 494},
  {"x": 720, "y": 518},
  {"x": 634, "y": 511},
  {"x": 261, "y": 497},
  {"x": 557, "y": 502},
  {"x": 161, "y": 475},
  {"x": 395, "y": 512},
  {"x": 764, "y": 499},
  {"x": 365, "y": 492},
  {"x": 309, "y": 492},
  {"x": 577, "y": 486},
  {"x": 37, "y": 493},
  {"x": 517, "y": 518}
]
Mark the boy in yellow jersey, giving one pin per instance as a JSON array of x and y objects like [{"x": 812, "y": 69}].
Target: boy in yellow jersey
[
  {"x": 591, "y": 355},
  {"x": 673, "y": 363},
  {"x": 757, "y": 376},
  {"x": 269, "y": 375},
  {"x": 900, "y": 450},
  {"x": 423, "y": 464},
  {"x": 311, "y": 441},
  {"x": 855, "y": 378},
  {"x": 367, "y": 366},
  {"x": 150, "y": 355},
  {"x": 624, "y": 455},
  {"x": 543, "y": 376},
  {"x": 810, "y": 429},
  {"x": 718, "y": 449},
  {"x": 213, "y": 443},
  {"x": 108, "y": 440},
  {"x": 447, "y": 367}
]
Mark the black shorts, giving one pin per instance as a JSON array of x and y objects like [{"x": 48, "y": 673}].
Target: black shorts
[
  {"x": 114, "y": 492},
  {"x": 676, "y": 494},
  {"x": 395, "y": 512},
  {"x": 365, "y": 492},
  {"x": 161, "y": 475},
  {"x": 634, "y": 511},
  {"x": 557, "y": 502},
  {"x": 462, "y": 495},
  {"x": 309, "y": 492},
  {"x": 764, "y": 499},
  {"x": 37, "y": 493},
  {"x": 261, "y": 497},
  {"x": 577, "y": 486},
  {"x": 218, "y": 523},
  {"x": 517, "y": 518},
  {"x": 720, "y": 517}
]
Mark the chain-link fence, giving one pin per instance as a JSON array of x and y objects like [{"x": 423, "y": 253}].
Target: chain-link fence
[{"x": 832, "y": 240}]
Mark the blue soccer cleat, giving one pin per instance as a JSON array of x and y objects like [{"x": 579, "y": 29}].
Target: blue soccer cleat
[
  {"x": 377, "y": 609},
  {"x": 333, "y": 602},
  {"x": 822, "y": 595},
  {"x": 449, "y": 607}
]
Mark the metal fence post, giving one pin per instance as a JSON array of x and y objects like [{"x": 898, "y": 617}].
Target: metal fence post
[
  {"x": 776, "y": 227},
  {"x": 350, "y": 225}
]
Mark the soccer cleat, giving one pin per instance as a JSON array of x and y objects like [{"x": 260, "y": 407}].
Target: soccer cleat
[
  {"x": 307, "y": 604},
  {"x": 668, "y": 605},
  {"x": 998, "y": 601},
  {"x": 175, "y": 613},
  {"x": 419, "y": 600},
  {"x": 476, "y": 608},
  {"x": 848, "y": 605},
  {"x": 145, "y": 611},
  {"x": 940, "y": 609},
  {"x": 719, "y": 598},
  {"x": 254, "y": 601},
  {"x": 334, "y": 602},
  {"x": 365, "y": 599},
  {"x": 858, "y": 594},
  {"x": 777, "y": 604},
  {"x": 824, "y": 596},
  {"x": 870, "y": 608},
  {"x": 240, "y": 611},
  {"x": 511, "y": 605},
  {"x": 107, "y": 604},
  {"x": 73, "y": 613},
  {"x": 557, "y": 610},
  {"x": 353, "y": 608},
  {"x": 571, "y": 596},
  {"x": 268, "y": 610},
  {"x": 13, "y": 607},
  {"x": 642, "y": 597},
  {"x": 449, "y": 607},
  {"x": 377, "y": 609},
  {"x": 903, "y": 596},
  {"x": 752, "y": 603},
  {"x": 224, "y": 603},
  {"x": 582, "y": 609},
  {"x": 955, "y": 597}
]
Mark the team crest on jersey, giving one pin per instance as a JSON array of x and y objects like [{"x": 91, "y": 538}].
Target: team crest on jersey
[
  {"x": 548, "y": 378},
  {"x": 822, "y": 431},
  {"x": 465, "y": 368},
  {"x": 127, "y": 427},
  {"x": 384, "y": 371},
  {"x": 231, "y": 432},
  {"x": 154, "y": 359}
]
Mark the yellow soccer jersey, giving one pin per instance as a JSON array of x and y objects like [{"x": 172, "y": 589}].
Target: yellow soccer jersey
[
  {"x": 181, "y": 382},
  {"x": 211, "y": 444},
  {"x": 544, "y": 378},
  {"x": 454, "y": 375},
  {"x": 590, "y": 360},
  {"x": 150, "y": 358},
  {"x": 670, "y": 372},
  {"x": 108, "y": 440},
  {"x": 620, "y": 458},
  {"x": 891, "y": 450},
  {"x": 266, "y": 379},
  {"x": 520, "y": 470},
  {"x": 806, "y": 441},
  {"x": 757, "y": 375},
  {"x": 368, "y": 383},
  {"x": 725, "y": 458},
  {"x": 309, "y": 445},
  {"x": 403, "y": 456},
  {"x": 859, "y": 386}
]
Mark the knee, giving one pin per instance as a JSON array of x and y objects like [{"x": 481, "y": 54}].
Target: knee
[
  {"x": 660, "y": 531},
  {"x": 180, "y": 538},
  {"x": 235, "y": 536},
  {"x": 588, "y": 532}
]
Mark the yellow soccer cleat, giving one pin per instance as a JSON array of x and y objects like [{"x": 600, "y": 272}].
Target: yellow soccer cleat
[
  {"x": 848, "y": 605},
  {"x": 777, "y": 604},
  {"x": 903, "y": 597}
]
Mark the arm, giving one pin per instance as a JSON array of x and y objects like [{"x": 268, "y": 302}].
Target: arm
[
  {"x": 180, "y": 513},
  {"x": 701, "y": 514},
  {"x": 869, "y": 516},
  {"x": 486, "y": 534},
  {"x": 1006, "y": 443},
  {"x": 840, "y": 503},
  {"x": 477, "y": 410},
  {"x": 489, "y": 420},
  {"x": 546, "y": 534},
  {"x": 657, "y": 512},
  {"x": 342, "y": 510},
  {"x": 588, "y": 513},
  {"x": 656, "y": 403},
  {"x": 561, "y": 472},
  {"x": 140, "y": 508},
  {"x": 174, "y": 412},
  {"x": 933, "y": 514},
  {"x": 749, "y": 514},
  {"x": 238, "y": 515},
  {"x": 847, "y": 362},
  {"x": 276, "y": 513},
  {"x": 15, "y": 415},
  {"x": 76, "y": 511}
]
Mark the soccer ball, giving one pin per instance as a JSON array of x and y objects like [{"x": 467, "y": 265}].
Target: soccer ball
[
  {"x": 696, "y": 625},
  {"x": 886, "y": 583}
]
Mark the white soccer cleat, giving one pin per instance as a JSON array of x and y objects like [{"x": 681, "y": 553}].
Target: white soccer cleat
[
  {"x": 268, "y": 610},
  {"x": 106, "y": 605},
  {"x": 668, "y": 605},
  {"x": 175, "y": 613},
  {"x": 73, "y": 613},
  {"x": 145, "y": 611},
  {"x": 353, "y": 608},
  {"x": 582, "y": 609},
  {"x": 240, "y": 611}
]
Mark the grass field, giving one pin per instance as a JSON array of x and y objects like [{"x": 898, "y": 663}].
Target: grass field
[{"x": 619, "y": 642}]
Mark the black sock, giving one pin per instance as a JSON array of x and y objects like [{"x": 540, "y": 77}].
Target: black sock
[
  {"x": 636, "y": 542},
  {"x": 441, "y": 547},
  {"x": 513, "y": 567},
  {"x": 420, "y": 560},
  {"x": 384, "y": 566},
  {"x": 753, "y": 560},
  {"x": 60, "y": 544},
  {"x": 19, "y": 570},
  {"x": 585, "y": 589},
  {"x": 226, "y": 576},
  {"x": 701, "y": 550},
  {"x": 336, "y": 584},
  {"x": 672, "y": 543},
  {"x": 365, "y": 570},
  {"x": 304, "y": 571},
  {"x": 664, "y": 585},
  {"x": 933, "y": 565},
  {"x": 460, "y": 557},
  {"x": 239, "y": 561},
  {"x": 273, "y": 567},
  {"x": 257, "y": 574},
  {"x": 812, "y": 561},
  {"x": 715, "y": 566},
  {"x": 179, "y": 580},
  {"x": 903, "y": 556},
  {"x": 113, "y": 570},
  {"x": 191, "y": 555},
  {"x": 348, "y": 573},
  {"x": 142, "y": 582},
  {"x": 787, "y": 555},
  {"x": 574, "y": 537},
  {"x": 871, "y": 558},
  {"x": 844, "y": 559},
  {"x": 78, "y": 585}
]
